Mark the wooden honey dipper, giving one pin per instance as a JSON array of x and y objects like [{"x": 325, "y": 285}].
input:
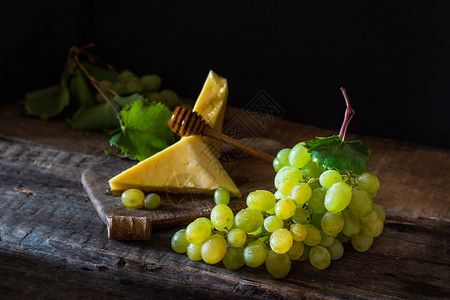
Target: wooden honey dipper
[{"x": 187, "y": 122}]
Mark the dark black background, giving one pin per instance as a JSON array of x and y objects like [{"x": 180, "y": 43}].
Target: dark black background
[{"x": 393, "y": 57}]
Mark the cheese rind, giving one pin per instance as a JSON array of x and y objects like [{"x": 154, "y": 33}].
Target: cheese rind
[{"x": 187, "y": 166}]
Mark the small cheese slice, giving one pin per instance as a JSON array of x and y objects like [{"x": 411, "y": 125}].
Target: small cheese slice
[
  {"x": 187, "y": 166},
  {"x": 211, "y": 104}
]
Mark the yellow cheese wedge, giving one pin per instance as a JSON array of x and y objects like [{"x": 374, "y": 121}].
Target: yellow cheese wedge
[
  {"x": 211, "y": 104},
  {"x": 187, "y": 166},
  {"x": 191, "y": 164}
]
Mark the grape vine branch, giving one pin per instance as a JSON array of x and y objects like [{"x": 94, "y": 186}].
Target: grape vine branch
[
  {"x": 349, "y": 113},
  {"x": 74, "y": 53}
]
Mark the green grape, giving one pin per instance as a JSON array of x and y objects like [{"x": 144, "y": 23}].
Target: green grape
[
  {"x": 298, "y": 232},
  {"x": 179, "y": 241},
  {"x": 281, "y": 240},
  {"x": 287, "y": 172},
  {"x": 380, "y": 210},
  {"x": 271, "y": 211},
  {"x": 305, "y": 254},
  {"x": 170, "y": 98},
  {"x": 301, "y": 216},
  {"x": 330, "y": 177},
  {"x": 338, "y": 197},
  {"x": 283, "y": 156},
  {"x": 369, "y": 182},
  {"x": 312, "y": 170},
  {"x": 326, "y": 240},
  {"x": 313, "y": 236},
  {"x": 206, "y": 220},
  {"x": 222, "y": 196},
  {"x": 362, "y": 242},
  {"x": 332, "y": 224},
  {"x": 255, "y": 254},
  {"x": 352, "y": 224},
  {"x": 120, "y": 87},
  {"x": 234, "y": 258},
  {"x": 261, "y": 200},
  {"x": 133, "y": 85},
  {"x": 316, "y": 203},
  {"x": 276, "y": 165},
  {"x": 278, "y": 265},
  {"x": 152, "y": 201},
  {"x": 125, "y": 75},
  {"x": 301, "y": 193},
  {"x": 278, "y": 195},
  {"x": 155, "y": 97},
  {"x": 286, "y": 186},
  {"x": 316, "y": 220},
  {"x": 151, "y": 82},
  {"x": 299, "y": 156},
  {"x": 214, "y": 249},
  {"x": 319, "y": 257},
  {"x": 285, "y": 208},
  {"x": 336, "y": 250},
  {"x": 314, "y": 184},
  {"x": 106, "y": 83},
  {"x": 272, "y": 223},
  {"x": 372, "y": 224},
  {"x": 296, "y": 250},
  {"x": 361, "y": 203},
  {"x": 249, "y": 219},
  {"x": 342, "y": 237},
  {"x": 194, "y": 251},
  {"x": 222, "y": 217},
  {"x": 197, "y": 231},
  {"x": 133, "y": 198},
  {"x": 237, "y": 237}
]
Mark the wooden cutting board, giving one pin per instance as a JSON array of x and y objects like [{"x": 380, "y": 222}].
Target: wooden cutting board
[{"x": 176, "y": 209}]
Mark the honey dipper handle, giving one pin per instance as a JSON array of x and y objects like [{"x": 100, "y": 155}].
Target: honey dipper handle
[{"x": 211, "y": 132}]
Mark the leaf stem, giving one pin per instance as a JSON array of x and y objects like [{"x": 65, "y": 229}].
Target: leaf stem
[
  {"x": 349, "y": 113},
  {"x": 66, "y": 65},
  {"x": 96, "y": 84}
]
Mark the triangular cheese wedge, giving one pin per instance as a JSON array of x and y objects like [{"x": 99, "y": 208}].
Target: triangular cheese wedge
[
  {"x": 187, "y": 166},
  {"x": 211, "y": 104},
  {"x": 191, "y": 164},
  {"x": 212, "y": 101}
]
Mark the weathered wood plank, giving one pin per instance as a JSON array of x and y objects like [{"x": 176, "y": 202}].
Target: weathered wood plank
[
  {"x": 53, "y": 244},
  {"x": 176, "y": 209}
]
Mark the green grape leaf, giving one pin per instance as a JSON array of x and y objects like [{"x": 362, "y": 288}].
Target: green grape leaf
[
  {"x": 95, "y": 118},
  {"x": 333, "y": 153},
  {"x": 100, "y": 73},
  {"x": 47, "y": 102},
  {"x": 80, "y": 93},
  {"x": 121, "y": 101},
  {"x": 145, "y": 130}
]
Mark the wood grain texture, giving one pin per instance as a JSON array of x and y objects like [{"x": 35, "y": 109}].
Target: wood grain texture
[
  {"x": 176, "y": 208},
  {"x": 54, "y": 245}
]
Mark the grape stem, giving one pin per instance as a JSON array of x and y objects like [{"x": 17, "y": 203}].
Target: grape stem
[
  {"x": 349, "y": 113},
  {"x": 258, "y": 235},
  {"x": 95, "y": 83},
  {"x": 66, "y": 65}
]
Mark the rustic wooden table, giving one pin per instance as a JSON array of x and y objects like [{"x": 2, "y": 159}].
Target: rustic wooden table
[{"x": 53, "y": 244}]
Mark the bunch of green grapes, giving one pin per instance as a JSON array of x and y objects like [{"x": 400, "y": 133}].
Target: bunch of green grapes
[
  {"x": 311, "y": 214},
  {"x": 147, "y": 85}
]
